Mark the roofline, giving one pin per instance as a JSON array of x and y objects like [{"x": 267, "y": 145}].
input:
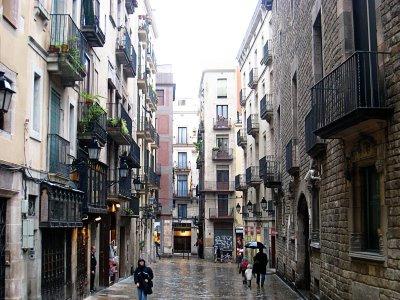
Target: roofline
[
  {"x": 257, "y": 15},
  {"x": 213, "y": 71}
]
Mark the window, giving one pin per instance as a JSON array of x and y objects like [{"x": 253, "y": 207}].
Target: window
[
  {"x": 36, "y": 103},
  {"x": 221, "y": 88},
  {"x": 181, "y": 102},
  {"x": 222, "y": 112},
  {"x": 364, "y": 16},
  {"x": 87, "y": 77},
  {"x": 31, "y": 205},
  {"x": 10, "y": 11},
  {"x": 58, "y": 6},
  {"x": 317, "y": 49},
  {"x": 75, "y": 11},
  {"x": 182, "y": 188},
  {"x": 72, "y": 124},
  {"x": 222, "y": 142},
  {"x": 182, "y": 160},
  {"x": 182, "y": 135},
  {"x": 294, "y": 104},
  {"x": 160, "y": 95},
  {"x": 182, "y": 211},
  {"x": 223, "y": 175},
  {"x": 222, "y": 205}
]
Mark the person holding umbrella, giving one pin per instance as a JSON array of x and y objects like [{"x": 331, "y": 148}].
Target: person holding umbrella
[{"x": 260, "y": 261}]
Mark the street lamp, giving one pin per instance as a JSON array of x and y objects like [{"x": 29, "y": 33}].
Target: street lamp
[
  {"x": 94, "y": 150},
  {"x": 238, "y": 207},
  {"x": 249, "y": 206},
  {"x": 5, "y": 93},
  {"x": 264, "y": 204},
  {"x": 123, "y": 169},
  {"x": 137, "y": 183}
]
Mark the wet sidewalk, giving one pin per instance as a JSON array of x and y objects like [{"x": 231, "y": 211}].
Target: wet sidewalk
[{"x": 198, "y": 279}]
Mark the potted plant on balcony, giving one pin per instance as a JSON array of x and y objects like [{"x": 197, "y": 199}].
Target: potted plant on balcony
[{"x": 93, "y": 114}]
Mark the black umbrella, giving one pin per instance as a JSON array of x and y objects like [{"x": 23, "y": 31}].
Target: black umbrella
[{"x": 255, "y": 245}]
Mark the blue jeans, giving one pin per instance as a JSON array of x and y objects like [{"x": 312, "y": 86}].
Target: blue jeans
[
  {"x": 141, "y": 294},
  {"x": 262, "y": 277}
]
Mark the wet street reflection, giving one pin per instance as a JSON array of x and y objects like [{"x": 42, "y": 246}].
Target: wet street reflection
[{"x": 198, "y": 279}]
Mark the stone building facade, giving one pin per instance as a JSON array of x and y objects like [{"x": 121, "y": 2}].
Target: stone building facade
[{"x": 336, "y": 97}]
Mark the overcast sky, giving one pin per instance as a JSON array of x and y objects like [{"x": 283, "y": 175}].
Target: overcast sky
[{"x": 199, "y": 34}]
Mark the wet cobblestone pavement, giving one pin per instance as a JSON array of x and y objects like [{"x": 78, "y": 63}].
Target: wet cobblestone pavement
[{"x": 198, "y": 279}]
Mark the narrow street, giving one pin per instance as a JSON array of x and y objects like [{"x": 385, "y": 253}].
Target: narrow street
[{"x": 196, "y": 279}]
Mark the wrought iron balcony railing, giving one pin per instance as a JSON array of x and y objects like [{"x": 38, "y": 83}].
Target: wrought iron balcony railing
[
  {"x": 130, "y": 6},
  {"x": 240, "y": 182},
  {"x": 253, "y": 78},
  {"x": 215, "y": 186},
  {"x": 222, "y": 154},
  {"x": 119, "y": 124},
  {"x": 182, "y": 167},
  {"x": 67, "y": 50},
  {"x": 222, "y": 123},
  {"x": 241, "y": 138},
  {"x": 90, "y": 23},
  {"x": 182, "y": 193},
  {"x": 351, "y": 96},
  {"x": 221, "y": 213},
  {"x": 153, "y": 98},
  {"x": 143, "y": 28},
  {"x": 133, "y": 156},
  {"x": 266, "y": 108},
  {"x": 270, "y": 171},
  {"x": 122, "y": 188},
  {"x": 315, "y": 146},
  {"x": 267, "y": 53},
  {"x": 253, "y": 176},
  {"x": 60, "y": 207},
  {"x": 253, "y": 124},
  {"x": 92, "y": 122},
  {"x": 59, "y": 150},
  {"x": 153, "y": 178},
  {"x": 292, "y": 157},
  {"x": 242, "y": 97},
  {"x": 125, "y": 52}
]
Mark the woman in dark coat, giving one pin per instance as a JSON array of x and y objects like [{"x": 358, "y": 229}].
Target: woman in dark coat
[{"x": 143, "y": 277}]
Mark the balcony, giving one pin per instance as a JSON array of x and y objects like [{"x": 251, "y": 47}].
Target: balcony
[
  {"x": 222, "y": 154},
  {"x": 125, "y": 52},
  {"x": 222, "y": 123},
  {"x": 182, "y": 194},
  {"x": 153, "y": 98},
  {"x": 133, "y": 156},
  {"x": 253, "y": 125},
  {"x": 350, "y": 100},
  {"x": 122, "y": 190},
  {"x": 67, "y": 50},
  {"x": 153, "y": 179},
  {"x": 217, "y": 186},
  {"x": 150, "y": 132},
  {"x": 292, "y": 158},
  {"x": 130, "y": 209},
  {"x": 59, "y": 150},
  {"x": 60, "y": 207},
  {"x": 221, "y": 214},
  {"x": 241, "y": 138},
  {"x": 243, "y": 97},
  {"x": 93, "y": 181},
  {"x": 143, "y": 28},
  {"x": 156, "y": 143},
  {"x": 119, "y": 124},
  {"x": 315, "y": 146},
  {"x": 90, "y": 23},
  {"x": 270, "y": 172},
  {"x": 151, "y": 58},
  {"x": 130, "y": 6},
  {"x": 253, "y": 176},
  {"x": 92, "y": 122},
  {"x": 267, "y": 53},
  {"x": 240, "y": 182},
  {"x": 253, "y": 78},
  {"x": 266, "y": 108},
  {"x": 41, "y": 11},
  {"x": 182, "y": 168},
  {"x": 199, "y": 161}
]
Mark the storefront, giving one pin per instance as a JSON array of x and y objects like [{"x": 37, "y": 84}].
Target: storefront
[{"x": 182, "y": 237}]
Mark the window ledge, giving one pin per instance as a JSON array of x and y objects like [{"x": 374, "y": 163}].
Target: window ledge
[
  {"x": 315, "y": 245},
  {"x": 371, "y": 256}
]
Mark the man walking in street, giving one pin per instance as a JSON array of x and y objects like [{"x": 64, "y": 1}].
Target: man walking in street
[
  {"x": 93, "y": 264},
  {"x": 260, "y": 266}
]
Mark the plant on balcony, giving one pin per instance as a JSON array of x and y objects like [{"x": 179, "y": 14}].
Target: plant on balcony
[
  {"x": 93, "y": 114},
  {"x": 128, "y": 211},
  {"x": 90, "y": 98},
  {"x": 198, "y": 146},
  {"x": 118, "y": 122}
]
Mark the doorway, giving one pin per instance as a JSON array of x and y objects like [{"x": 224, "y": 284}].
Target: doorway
[
  {"x": 303, "y": 253},
  {"x": 3, "y": 209}
]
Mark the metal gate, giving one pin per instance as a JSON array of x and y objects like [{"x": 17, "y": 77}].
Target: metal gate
[
  {"x": 53, "y": 265},
  {"x": 3, "y": 206},
  {"x": 81, "y": 276}
]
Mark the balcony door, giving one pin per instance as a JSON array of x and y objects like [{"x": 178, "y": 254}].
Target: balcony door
[
  {"x": 222, "y": 205},
  {"x": 182, "y": 160},
  {"x": 222, "y": 143},
  {"x": 222, "y": 112},
  {"x": 55, "y": 112},
  {"x": 182, "y": 188}
]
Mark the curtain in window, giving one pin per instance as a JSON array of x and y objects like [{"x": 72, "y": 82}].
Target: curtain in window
[
  {"x": 182, "y": 135},
  {"x": 182, "y": 185},
  {"x": 182, "y": 159}
]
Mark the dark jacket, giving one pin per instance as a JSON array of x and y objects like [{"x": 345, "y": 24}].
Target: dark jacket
[
  {"x": 93, "y": 262},
  {"x": 141, "y": 274},
  {"x": 260, "y": 263}
]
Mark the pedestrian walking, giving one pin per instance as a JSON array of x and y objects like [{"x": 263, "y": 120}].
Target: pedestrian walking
[
  {"x": 243, "y": 268},
  {"x": 93, "y": 264},
  {"x": 249, "y": 274},
  {"x": 158, "y": 249},
  {"x": 143, "y": 277},
  {"x": 218, "y": 252},
  {"x": 260, "y": 266}
]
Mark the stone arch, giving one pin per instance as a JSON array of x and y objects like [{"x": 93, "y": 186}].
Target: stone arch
[{"x": 303, "y": 274}]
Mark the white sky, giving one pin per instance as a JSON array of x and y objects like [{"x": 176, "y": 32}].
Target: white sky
[{"x": 199, "y": 34}]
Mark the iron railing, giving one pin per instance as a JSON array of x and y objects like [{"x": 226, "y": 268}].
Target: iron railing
[
  {"x": 314, "y": 144},
  {"x": 118, "y": 112},
  {"x": 292, "y": 163},
  {"x": 182, "y": 193},
  {"x": 92, "y": 120},
  {"x": 266, "y": 107},
  {"x": 125, "y": 52},
  {"x": 270, "y": 171},
  {"x": 242, "y": 97},
  {"x": 153, "y": 178},
  {"x": 119, "y": 187},
  {"x": 215, "y": 186},
  {"x": 357, "y": 83},
  {"x": 221, "y": 213},
  {"x": 267, "y": 52},
  {"x": 253, "y": 78},
  {"x": 153, "y": 96},
  {"x": 253, "y": 175},
  {"x": 241, "y": 138},
  {"x": 222, "y": 153},
  {"x": 222, "y": 123},
  {"x": 59, "y": 150},
  {"x": 133, "y": 156},
  {"x": 253, "y": 124},
  {"x": 90, "y": 23},
  {"x": 240, "y": 182}
]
